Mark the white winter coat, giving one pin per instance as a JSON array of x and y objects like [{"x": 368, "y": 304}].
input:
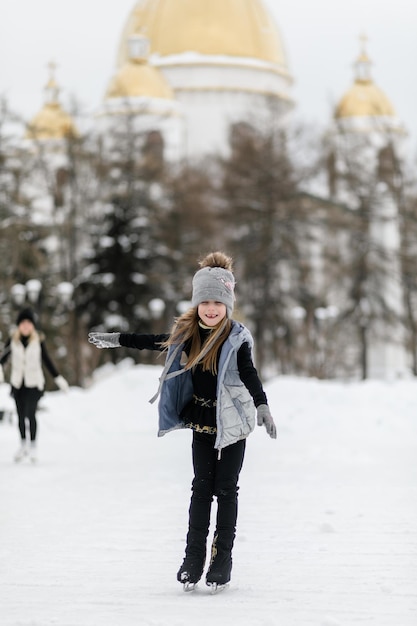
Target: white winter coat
[{"x": 26, "y": 362}]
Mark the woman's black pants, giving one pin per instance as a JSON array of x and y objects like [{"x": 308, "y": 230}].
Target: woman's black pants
[
  {"x": 27, "y": 399},
  {"x": 218, "y": 477}
]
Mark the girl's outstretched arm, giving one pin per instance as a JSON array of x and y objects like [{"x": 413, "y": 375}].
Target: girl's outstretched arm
[
  {"x": 104, "y": 340},
  {"x": 128, "y": 340}
]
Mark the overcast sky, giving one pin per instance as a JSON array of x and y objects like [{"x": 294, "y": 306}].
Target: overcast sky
[{"x": 321, "y": 38}]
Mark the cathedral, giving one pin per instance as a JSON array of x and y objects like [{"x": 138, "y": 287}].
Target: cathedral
[{"x": 189, "y": 69}]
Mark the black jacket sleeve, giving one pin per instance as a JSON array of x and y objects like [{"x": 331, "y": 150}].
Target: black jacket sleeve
[
  {"x": 46, "y": 360},
  {"x": 143, "y": 341},
  {"x": 249, "y": 375},
  {"x": 4, "y": 357}
]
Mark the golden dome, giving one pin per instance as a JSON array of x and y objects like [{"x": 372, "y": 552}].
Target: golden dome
[
  {"x": 136, "y": 78},
  {"x": 364, "y": 98},
  {"x": 210, "y": 27},
  {"x": 52, "y": 122}
]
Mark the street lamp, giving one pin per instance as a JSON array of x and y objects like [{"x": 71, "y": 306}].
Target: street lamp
[
  {"x": 324, "y": 313},
  {"x": 33, "y": 289},
  {"x": 18, "y": 293},
  {"x": 183, "y": 306},
  {"x": 65, "y": 291},
  {"x": 30, "y": 291},
  {"x": 298, "y": 313},
  {"x": 157, "y": 308}
]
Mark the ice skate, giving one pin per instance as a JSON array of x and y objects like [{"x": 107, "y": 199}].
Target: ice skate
[
  {"x": 218, "y": 575},
  {"x": 21, "y": 453},
  {"x": 33, "y": 453},
  {"x": 190, "y": 572}
]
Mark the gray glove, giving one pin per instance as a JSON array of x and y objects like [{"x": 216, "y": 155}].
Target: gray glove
[
  {"x": 104, "y": 340},
  {"x": 263, "y": 416},
  {"x": 61, "y": 383}
]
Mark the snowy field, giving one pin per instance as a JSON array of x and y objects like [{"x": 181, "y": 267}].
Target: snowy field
[{"x": 327, "y": 536}]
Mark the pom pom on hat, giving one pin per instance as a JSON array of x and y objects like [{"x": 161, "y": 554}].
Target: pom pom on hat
[
  {"x": 215, "y": 281},
  {"x": 26, "y": 314}
]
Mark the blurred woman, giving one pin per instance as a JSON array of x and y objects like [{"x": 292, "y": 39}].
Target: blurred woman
[{"x": 27, "y": 352}]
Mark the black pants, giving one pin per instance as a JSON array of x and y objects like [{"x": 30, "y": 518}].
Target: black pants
[
  {"x": 213, "y": 477},
  {"x": 27, "y": 399}
]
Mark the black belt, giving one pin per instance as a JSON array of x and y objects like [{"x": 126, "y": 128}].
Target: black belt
[{"x": 204, "y": 402}]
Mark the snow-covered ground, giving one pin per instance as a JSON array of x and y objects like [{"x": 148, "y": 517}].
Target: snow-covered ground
[{"x": 94, "y": 533}]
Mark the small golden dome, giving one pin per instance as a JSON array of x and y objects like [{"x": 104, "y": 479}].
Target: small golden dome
[
  {"x": 136, "y": 78},
  {"x": 210, "y": 27},
  {"x": 364, "y": 98},
  {"x": 52, "y": 122}
]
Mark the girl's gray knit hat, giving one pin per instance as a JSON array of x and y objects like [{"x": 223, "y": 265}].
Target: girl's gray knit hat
[{"x": 214, "y": 283}]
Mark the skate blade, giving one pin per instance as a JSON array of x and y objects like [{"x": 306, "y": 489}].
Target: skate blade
[
  {"x": 187, "y": 587},
  {"x": 216, "y": 588},
  {"x": 18, "y": 458}
]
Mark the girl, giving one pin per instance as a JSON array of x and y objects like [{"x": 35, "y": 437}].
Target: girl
[
  {"x": 214, "y": 394},
  {"x": 27, "y": 350}
]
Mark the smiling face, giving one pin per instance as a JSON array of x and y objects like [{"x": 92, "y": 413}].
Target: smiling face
[
  {"x": 211, "y": 312},
  {"x": 25, "y": 328}
]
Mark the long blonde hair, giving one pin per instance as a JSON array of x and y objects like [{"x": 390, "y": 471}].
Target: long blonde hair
[{"x": 186, "y": 327}]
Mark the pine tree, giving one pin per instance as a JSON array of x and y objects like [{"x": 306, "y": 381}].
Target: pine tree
[
  {"x": 262, "y": 216},
  {"x": 117, "y": 283}
]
